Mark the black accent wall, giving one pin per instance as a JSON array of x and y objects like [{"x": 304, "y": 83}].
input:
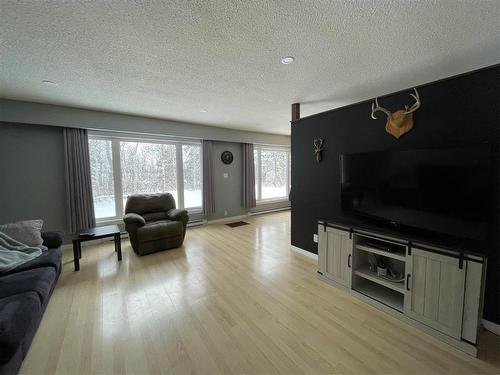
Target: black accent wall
[{"x": 455, "y": 111}]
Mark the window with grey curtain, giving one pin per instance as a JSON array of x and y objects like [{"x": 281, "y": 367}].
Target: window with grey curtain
[
  {"x": 208, "y": 181},
  {"x": 248, "y": 176},
  {"x": 80, "y": 205}
]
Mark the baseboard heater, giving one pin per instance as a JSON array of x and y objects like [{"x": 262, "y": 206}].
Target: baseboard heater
[
  {"x": 268, "y": 211},
  {"x": 197, "y": 223}
]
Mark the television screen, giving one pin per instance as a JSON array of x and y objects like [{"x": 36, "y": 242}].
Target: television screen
[{"x": 447, "y": 191}]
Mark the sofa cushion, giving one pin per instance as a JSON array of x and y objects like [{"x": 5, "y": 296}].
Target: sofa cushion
[
  {"x": 49, "y": 258},
  {"x": 155, "y": 216},
  {"x": 28, "y": 232},
  {"x": 159, "y": 229},
  {"x": 39, "y": 280},
  {"x": 19, "y": 316},
  {"x": 52, "y": 239}
]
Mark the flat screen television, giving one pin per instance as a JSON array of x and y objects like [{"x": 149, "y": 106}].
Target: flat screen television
[{"x": 446, "y": 191}]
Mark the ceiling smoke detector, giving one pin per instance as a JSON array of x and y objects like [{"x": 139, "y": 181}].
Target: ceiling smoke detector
[{"x": 287, "y": 60}]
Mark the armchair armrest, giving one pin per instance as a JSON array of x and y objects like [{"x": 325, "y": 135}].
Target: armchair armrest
[
  {"x": 177, "y": 214},
  {"x": 52, "y": 239},
  {"x": 132, "y": 218}
]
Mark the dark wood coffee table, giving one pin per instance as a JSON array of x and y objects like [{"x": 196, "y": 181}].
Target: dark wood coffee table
[{"x": 98, "y": 232}]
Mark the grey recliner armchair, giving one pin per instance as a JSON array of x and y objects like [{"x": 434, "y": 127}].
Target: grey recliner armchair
[{"x": 153, "y": 222}]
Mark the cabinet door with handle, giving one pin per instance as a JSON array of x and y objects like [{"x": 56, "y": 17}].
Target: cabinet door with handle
[
  {"x": 435, "y": 291},
  {"x": 334, "y": 255}
]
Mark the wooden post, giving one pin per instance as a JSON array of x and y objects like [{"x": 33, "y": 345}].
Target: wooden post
[{"x": 295, "y": 111}]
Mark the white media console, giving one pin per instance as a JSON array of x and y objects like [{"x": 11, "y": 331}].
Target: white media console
[{"x": 437, "y": 290}]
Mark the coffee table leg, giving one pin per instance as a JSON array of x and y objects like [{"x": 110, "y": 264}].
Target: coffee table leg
[
  {"x": 76, "y": 255},
  {"x": 118, "y": 246}
]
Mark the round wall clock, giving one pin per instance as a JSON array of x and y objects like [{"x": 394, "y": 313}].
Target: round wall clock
[{"x": 227, "y": 157}]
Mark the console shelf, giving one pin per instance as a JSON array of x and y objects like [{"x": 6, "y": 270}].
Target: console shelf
[
  {"x": 400, "y": 257},
  {"x": 365, "y": 273},
  {"x": 379, "y": 293}
]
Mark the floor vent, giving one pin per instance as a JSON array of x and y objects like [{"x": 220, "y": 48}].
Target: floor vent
[{"x": 236, "y": 224}]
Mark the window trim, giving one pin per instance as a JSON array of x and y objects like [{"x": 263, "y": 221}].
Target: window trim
[
  {"x": 115, "y": 140},
  {"x": 258, "y": 181}
]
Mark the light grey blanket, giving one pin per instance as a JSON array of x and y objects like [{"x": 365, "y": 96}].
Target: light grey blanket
[{"x": 13, "y": 253}]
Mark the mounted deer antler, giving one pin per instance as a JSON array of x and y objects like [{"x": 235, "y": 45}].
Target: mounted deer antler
[
  {"x": 400, "y": 122},
  {"x": 318, "y": 148}
]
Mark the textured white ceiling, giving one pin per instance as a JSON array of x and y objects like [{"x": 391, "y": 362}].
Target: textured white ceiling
[{"x": 171, "y": 59}]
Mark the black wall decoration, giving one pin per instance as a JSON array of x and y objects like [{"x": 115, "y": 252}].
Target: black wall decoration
[
  {"x": 318, "y": 148},
  {"x": 227, "y": 157},
  {"x": 458, "y": 111}
]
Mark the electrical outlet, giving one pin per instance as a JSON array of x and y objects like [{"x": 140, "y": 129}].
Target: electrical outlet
[
  {"x": 315, "y": 237},
  {"x": 226, "y": 175},
  {"x": 225, "y": 212}
]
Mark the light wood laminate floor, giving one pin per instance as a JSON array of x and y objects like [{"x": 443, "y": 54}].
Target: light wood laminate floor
[{"x": 231, "y": 300}]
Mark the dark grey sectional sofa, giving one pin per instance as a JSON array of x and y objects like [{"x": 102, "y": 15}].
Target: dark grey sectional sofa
[{"x": 24, "y": 294}]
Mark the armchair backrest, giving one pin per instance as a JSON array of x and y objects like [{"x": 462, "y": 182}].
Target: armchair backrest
[{"x": 150, "y": 206}]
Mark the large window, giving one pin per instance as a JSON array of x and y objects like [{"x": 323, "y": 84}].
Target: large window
[
  {"x": 272, "y": 173},
  {"x": 101, "y": 168},
  {"x": 191, "y": 156},
  {"x": 121, "y": 167}
]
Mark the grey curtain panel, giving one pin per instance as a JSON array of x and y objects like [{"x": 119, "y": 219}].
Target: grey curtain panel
[
  {"x": 208, "y": 180},
  {"x": 248, "y": 176},
  {"x": 80, "y": 205}
]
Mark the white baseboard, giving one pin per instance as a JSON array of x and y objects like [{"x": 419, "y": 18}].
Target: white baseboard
[
  {"x": 492, "y": 327},
  {"x": 227, "y": 219},
  {"x": 304, "y": 252}
]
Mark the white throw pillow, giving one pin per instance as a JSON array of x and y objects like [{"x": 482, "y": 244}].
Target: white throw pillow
[{"x": 27, "y": 232}]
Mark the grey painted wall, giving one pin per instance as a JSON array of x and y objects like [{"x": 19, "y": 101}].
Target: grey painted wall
[
  {"x": 46, "y": 114},
  {"x": 229, "y": 191},
  {"x": 32, "y": 175}
]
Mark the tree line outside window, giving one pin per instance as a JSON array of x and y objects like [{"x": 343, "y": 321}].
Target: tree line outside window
[{"x": 120, "y": 167}]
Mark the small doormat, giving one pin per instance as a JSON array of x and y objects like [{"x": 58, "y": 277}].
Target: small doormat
[{"x": 236, "y": 224}]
